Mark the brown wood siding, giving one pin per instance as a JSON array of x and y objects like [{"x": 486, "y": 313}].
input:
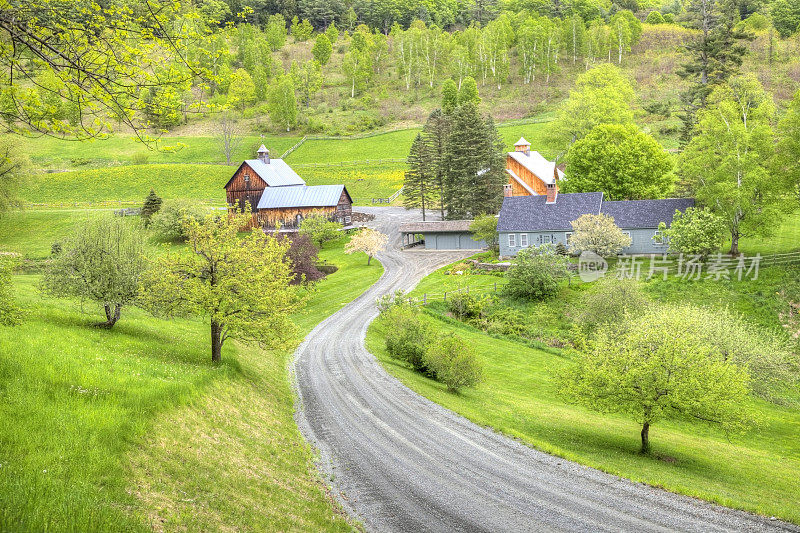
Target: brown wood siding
[
  {"x": 287, "y": 216},
  {"x": 531, "y": 179},
  {"x": 241, "y": 190}
]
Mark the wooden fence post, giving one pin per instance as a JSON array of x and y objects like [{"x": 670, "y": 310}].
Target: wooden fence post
[
  {"x": 424, "y": 298},
  {"x": 445, "y": 296}
]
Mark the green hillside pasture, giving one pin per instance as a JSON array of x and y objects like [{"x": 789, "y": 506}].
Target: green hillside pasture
[
  {"x": 49, "y": 152},
  {"x": 364, "y": 182},
  {"x": 130, "y": 183},
  {"x": 132, "y": 429},
  {"x": 786, "y": 239},
  {"x": 32, "y": 233},
  {"x": 757, "y": 471}
]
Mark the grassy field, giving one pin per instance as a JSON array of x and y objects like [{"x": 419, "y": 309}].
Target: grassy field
[
  {"x": 364, "y": 182},
  {"x": 757, "y": 471},
  {"x": 132, "y": 429},
  {"x": 786, "y": 239},
  {"x": 52, "y": 153}
]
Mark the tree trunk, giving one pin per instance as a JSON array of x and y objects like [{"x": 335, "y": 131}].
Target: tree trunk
[
  {"x": 369, "y": 258},
  {"x": 645, "y": 438},
  {"x": 112, "y": 315},
  {"x": 216, "y": 342},
  {"x": 734, "y": 244}
]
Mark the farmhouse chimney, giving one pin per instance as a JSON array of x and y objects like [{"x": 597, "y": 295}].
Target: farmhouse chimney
[
  {"x": 507, "y": 190},
  {"x": 263, "y": 154},
  {"x": 523, "y": 146},
  {"x": 552, "y": 193}
]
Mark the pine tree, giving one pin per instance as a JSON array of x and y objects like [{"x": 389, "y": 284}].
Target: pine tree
[
  {"x": 714, "y": 56},
  {"x": 417, "y": 187},
  {"x": 435, "y": 133},
  {"x": 151, "y": 206}
]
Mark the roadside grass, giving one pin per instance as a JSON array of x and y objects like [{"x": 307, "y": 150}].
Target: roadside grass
[
  {"x": 53, "y": 153},
  {"x": 133, "y": 429},
  {"x": 757, "y": 471}
]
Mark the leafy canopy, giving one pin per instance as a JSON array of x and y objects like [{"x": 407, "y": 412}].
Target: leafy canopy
[{"x": 598, "y": 234}]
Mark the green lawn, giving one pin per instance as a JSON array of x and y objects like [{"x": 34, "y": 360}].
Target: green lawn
[
  {"x": 390, "y": 145},
  {"x": 364, "y": 182},
  {"x": 786, "y": 239},
  {"x": 49, "y": 152},
  {"x": 32, "y": 233},
  {"x": 133, "y": 429},
  {"x": 758, "y": 471}
]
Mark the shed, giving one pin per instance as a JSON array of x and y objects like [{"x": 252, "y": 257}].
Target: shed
[{"x": 441, "y": 235}]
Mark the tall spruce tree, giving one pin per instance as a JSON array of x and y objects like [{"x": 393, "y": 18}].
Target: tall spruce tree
[
  {"x": 474, "y": 178},
  {"x": 714, "y": 56},
  {"x": 418, "y": 186},
  {"x": 436, "y": 133}
]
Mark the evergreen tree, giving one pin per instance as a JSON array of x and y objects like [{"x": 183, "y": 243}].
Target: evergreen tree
[
  {"x": 475, "y": 173},
  {"x": 418, "y": 189},
  {"x": 436, "y": 133},
  {"x": 151, "y": 206},
  {"x": 714, "y": 56}
]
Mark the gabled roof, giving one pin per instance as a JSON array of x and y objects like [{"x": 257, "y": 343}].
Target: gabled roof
[
  {"x": 633, "y": 214},
  {"x": 533, "y": 213},
  {"x": 276, "y": 173},
  {"x": 302, "y": 196},
  {"x": 436, "y": 226},
  {"x": 537, "y": 164}
]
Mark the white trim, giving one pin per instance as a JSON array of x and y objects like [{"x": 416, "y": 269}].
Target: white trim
[
  {"x": 523, "y": 240},
  {"x": 519, "y": 180},
  {"x": 512, "y": 240}
]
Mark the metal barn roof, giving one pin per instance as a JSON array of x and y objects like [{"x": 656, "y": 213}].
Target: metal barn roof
[
  {"x": 276, "y": 173},
  {"x": 537, "y": 164},
  {"x": 300, "y": 196}
]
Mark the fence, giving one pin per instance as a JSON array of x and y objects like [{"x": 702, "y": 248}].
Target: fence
[
  {"x": 389, "y": 200},
  {"x": 426, "y": 298}
]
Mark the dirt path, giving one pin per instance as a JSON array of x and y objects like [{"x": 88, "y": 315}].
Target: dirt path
[{"x": 399, "y": 462}]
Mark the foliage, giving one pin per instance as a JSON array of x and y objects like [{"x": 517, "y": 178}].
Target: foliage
[
  {"x": 654, "y": 17},
  {"x": 598, "y": 234},
  {"x": 536, "y": 273},
  {"x": 409, "y": 336},
  {"x": 102, "y": 261},
  {"x": 787, "y": 152},
  {"x": 468, "y": 93},
  {"x": 322, "y": 49},
  {"x": 419, "y": 186},
  {"x": 242, "y": 90},
  {"x": 10, "y": 312},
  {"x": 652, "y": 370},
  {"x": 454, "y": 362},
  {"x": 282, "y": 102},
  {"x": 319, "y": 229},
  {"x": 170, "y": 223},
  {"x": 332, "y": 33},
  {"x": 621, "y": 161},
  {"x": 611, "y": 301},
  {"x": 602, "y": 95},
  {"x": 785, "y": 16},
  {"x": 14, "y": 166},
  {"x": 275, "y": 31},
  {"x": 301, "y": 31},
  {"x": 466, "y": 306},
  {"x": 696, "y": 231},
  {"x": 303, "y": 258},
  {"x": 241, "y": 285},
  {"x": 152, "y": 203},
  {"x": 726, "y": 165},
  {"x": 357, "y": 62},
  {"x": 367, "y": 241},
  {"x": 449, "y": 96},
  {"x": 307, "y": 80},
  {"x": 484, "y": 228}
]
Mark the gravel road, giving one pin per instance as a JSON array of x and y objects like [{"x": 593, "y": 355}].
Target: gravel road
[{"x": 399, "y": 462}]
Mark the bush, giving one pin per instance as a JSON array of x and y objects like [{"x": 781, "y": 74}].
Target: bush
[
  {"x": 10, "y": 313},
  {"x": 408, "y": 336},
  {"x": 319, "y": 229},
  {"x": 654, "y": 17},
  {"x": 536, "y": 273},
  {"x": 169, "y": 224},
  {"x": 303, "y": 256},
  {"x": 151, "y": 206},
  {"x": 465, "y": 306},
  {"x": 610, "y": 302},
  {"x": 454, "y": 362},
  {"x": 669, "y": 18},
  {"x": 598, "y": 234},
  {"x": 696, "y": 231}
]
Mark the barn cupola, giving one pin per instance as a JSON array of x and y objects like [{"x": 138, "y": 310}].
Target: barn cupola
[
  {"x": 263, "y": 155},
  {"x": 523, "y": 146}
]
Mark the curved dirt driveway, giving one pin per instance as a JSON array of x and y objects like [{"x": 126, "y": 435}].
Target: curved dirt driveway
[{"x": 399, "y": 462}]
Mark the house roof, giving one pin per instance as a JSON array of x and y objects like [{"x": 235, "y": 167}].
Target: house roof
[
  {"x": 301, "y": 196},
  {"x": 436, "y": 226},
  {"x": 533, "y": 213},
  {"x": 537, "y": 164},
  {"x": 630, "y": 214},
  {"x": 276, "y": 173},
  {"x": 522, "y": 142}
]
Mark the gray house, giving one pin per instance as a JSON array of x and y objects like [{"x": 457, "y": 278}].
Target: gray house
[
  {"x": 533, "y": 220},
  {"x": 441, "y": 235}
]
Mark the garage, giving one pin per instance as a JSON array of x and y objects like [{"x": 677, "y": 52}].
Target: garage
[{"x": 440, "y": 235}]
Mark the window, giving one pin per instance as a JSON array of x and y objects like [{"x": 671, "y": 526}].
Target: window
[
  {"x": 659, "y": 239},
  {"x": 347, "y": 220},
  {"x": 568, "y": 236},
  {"x": 512, "y": 240},
  {"x": 523, "y": 240},
  {"x": 544, "y": 239}
]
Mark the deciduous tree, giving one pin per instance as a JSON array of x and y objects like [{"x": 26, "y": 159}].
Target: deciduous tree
[
  {"x": 240, "y": 285},
  {"x": 322, "y": 49},
  {"x": 598, "y": 234},
  {"x": 368, "y": 241},
  {"x": 696, "y": 231},
  {"x": 282, "y": 102}
]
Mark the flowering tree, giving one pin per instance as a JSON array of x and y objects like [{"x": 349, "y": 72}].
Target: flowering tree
[
  {"x": 598, "y": 234},
  {"x": 368, "y": 241}
]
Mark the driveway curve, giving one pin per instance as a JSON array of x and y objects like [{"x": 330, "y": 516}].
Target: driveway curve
[{"x": 399, "y": 462}]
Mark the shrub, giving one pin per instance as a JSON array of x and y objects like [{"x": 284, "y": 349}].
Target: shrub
[
  {"x": 654, "y": 17},
  {"x": 484, "y": 228},
  {"x": 408, "y": 336},
  {"x": 465, "y": 306},
  {"x": 696, "y": 231},
  {"x": 669, "y": 18},
  {"x": 610, "y": 302},
  {"x": 151, "y": 206},
  {"x": 598, "y": 234},
  {"x": 169, "y": 224},
  {"x": 319, "y": 229},
  {"x": 536, "y": 273},
  {"x": 454, "y": 362},
  {"x": 10, "y": 313},
  {"x": 303, "y": 256}
]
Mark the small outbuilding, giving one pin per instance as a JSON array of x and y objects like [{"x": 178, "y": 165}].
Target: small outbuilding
[{"x": 441, "y": 235}]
